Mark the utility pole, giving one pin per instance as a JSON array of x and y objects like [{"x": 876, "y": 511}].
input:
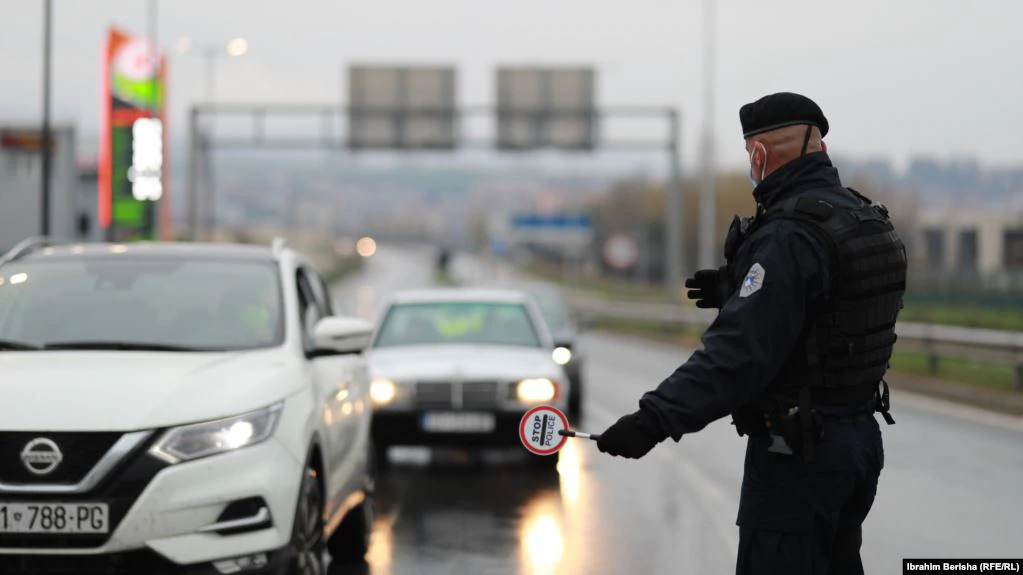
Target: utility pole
[
  {"x": 194, "y": 154},
  {"x": 154, "y": 49},
  {"x": 211, "y": 190},
  {"x": 155, "y": 52},
  {"x": 45, "y": 198},
  {"x": 202, "y": 136},
  {"x": 708, "y": 191},
  {"x": 673, "y": 214}
]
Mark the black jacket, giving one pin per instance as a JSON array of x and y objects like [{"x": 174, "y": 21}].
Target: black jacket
[{"x": 760, "y": 328}]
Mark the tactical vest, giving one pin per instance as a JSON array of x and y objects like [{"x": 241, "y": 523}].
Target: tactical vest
[{"x": 849, "y": 341}]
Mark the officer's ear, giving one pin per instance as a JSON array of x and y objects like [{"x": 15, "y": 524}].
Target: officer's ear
[
  {"x": 757, "y": 155},
  {"x": 824, "y": 146}
]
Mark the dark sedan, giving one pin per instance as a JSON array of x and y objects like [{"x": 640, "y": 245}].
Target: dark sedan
[{"x": 565, "y": 329}]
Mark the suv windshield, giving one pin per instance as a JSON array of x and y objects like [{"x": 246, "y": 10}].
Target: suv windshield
[
  {"x": 435, "y": 323},
  {"x": 131, "y": 302}
]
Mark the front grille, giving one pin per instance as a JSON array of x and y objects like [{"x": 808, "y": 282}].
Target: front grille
[
  {"x": 448, "y": 395},
  {"x": 479, "y": 394},
  {"x": 120, "y": 489},
  {"x": 80, "y": 451},
  {"x": 433, "y": 395}
]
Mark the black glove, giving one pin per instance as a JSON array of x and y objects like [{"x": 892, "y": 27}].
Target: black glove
[
  {"x": 710, "y": 288},
  {"x": 629, "y": 437}
]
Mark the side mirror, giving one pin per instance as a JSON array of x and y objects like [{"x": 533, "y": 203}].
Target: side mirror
[
  {"x": 342, "y": 335},
  {"x": 565, "y": 343}
]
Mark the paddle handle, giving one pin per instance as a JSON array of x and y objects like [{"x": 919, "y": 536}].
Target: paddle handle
[{"x": 579, "y": 434}]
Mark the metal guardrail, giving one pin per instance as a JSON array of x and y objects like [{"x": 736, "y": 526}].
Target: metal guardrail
[{"x": 1005, "y": 347}]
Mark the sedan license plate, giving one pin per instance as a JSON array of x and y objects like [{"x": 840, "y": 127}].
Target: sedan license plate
[
  {"x": 57, "y": 518},
  {"x": 458, "y": 422}
]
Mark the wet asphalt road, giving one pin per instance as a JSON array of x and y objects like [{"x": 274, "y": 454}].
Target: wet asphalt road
[{"x": 951, "y": 486}]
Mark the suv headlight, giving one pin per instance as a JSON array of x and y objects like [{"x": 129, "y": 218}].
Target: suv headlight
[{"x": 190, "y": 442}]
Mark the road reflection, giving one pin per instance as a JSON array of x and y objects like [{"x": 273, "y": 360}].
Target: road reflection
[
  {"x": 485, "y": 515},
  {"x": 542, "y": 543}
]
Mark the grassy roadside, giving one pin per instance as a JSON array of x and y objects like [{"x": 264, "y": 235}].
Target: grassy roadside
[
  {"x": 980, "y": 374},
  {"x": 444, "y": 279},
  {"x": 602, "y": 287},
  {"x": 976, "y": 373},
  {"x": 957, "y": 314},
  {"x": 965, "y": 316}
]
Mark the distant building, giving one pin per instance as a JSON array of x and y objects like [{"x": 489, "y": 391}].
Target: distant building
[
  {"x": 970, "y": 242},
  {"x": 21, "y": 164}
]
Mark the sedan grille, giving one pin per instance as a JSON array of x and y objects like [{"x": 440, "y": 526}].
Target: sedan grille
[
  {"x": 458, "y": 395},
  {"x": 479, "y": 394},
  {"x": 434, "y": 395}
]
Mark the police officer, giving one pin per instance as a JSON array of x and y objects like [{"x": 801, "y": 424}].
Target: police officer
[{"x": 797, "y": 354}]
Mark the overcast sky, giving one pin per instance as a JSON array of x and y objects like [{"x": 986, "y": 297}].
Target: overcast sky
[{"x": 895, "y": 77}]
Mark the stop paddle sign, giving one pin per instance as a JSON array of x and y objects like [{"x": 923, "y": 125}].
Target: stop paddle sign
[{"x": 544, "y": 430}]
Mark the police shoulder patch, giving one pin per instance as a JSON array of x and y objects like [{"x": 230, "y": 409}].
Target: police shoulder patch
[{"x": 753, "y": 281}]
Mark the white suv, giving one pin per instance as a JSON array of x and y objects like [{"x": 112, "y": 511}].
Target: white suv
[{"x": 178, "y": 408}]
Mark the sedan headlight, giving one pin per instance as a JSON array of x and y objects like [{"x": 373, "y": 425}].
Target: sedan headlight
[
  {"x": 561, "y": 355},
  {"x": 190, "y": 442},
  {"x": 536, "y": 389},
  {"x": 382, "y": 390}
]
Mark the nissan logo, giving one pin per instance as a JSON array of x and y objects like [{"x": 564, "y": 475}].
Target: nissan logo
[{"x": 41, "y": 456}]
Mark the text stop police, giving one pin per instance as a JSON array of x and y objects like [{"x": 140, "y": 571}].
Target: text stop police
[{"x": 541, "y": 430}]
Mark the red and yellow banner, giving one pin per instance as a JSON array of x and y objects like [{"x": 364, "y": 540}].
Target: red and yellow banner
[{"x": 132, "y": 194}]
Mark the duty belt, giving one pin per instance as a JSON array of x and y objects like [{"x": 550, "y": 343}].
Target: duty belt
[{"x": 789, "y": 430}]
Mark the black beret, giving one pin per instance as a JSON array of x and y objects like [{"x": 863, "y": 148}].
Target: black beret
[{"x": 780, "y": 111}]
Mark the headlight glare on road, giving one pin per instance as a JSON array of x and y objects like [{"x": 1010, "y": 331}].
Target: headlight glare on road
[
  {"x": 382, "y": 390},
  {"x": 190, "y": 442},
  {"x": 561, "y": 355},
  {"x": 536, "y": 389}
]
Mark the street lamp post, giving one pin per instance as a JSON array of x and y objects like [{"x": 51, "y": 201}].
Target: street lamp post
[
  {"x": 210, "y": 53},
  {"x": 45, "y": 148},
  {"x": 708, "y": 191}
]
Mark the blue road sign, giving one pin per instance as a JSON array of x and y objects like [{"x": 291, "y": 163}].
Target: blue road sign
[
  {"x": 498, "y": 247},
  {"x": 552, "y": 221}
]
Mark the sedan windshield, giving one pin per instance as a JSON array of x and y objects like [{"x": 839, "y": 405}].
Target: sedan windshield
[
  {"x": 135, "y": 303},
  {"x": 434, "y": 323}
]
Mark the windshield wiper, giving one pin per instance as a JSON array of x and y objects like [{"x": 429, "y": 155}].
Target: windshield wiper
[
  {"x": 11, "y": 345},
  {"x": 119, "y": 346}
]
